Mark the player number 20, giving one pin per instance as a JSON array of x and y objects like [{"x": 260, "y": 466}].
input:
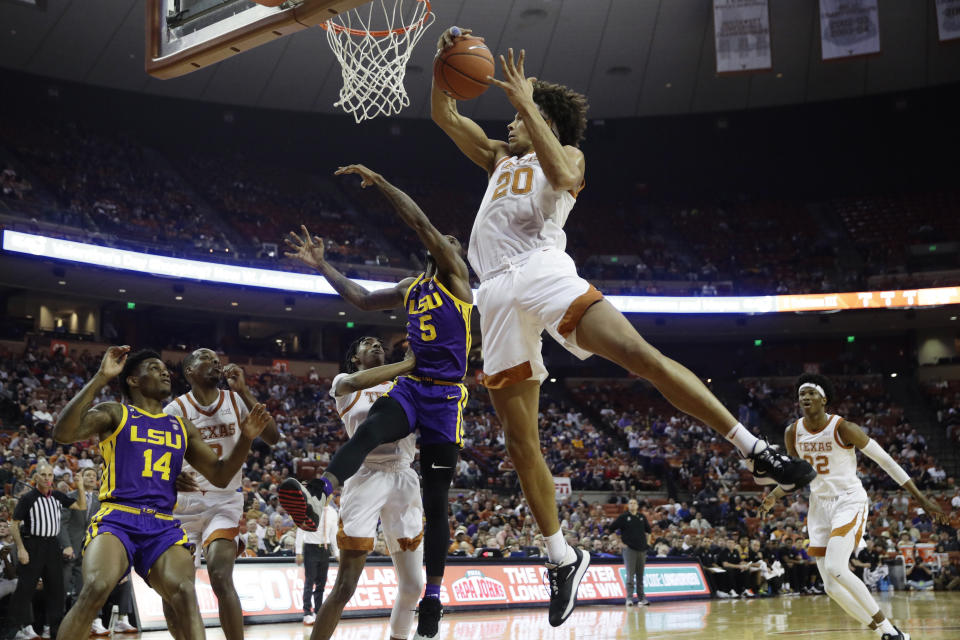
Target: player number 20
[
  {"x": 820, "y": 463},
  {"x": 161, "y": 466},
  {"x": 427, "y": 331},
  {"x": 519, "y": 182}
]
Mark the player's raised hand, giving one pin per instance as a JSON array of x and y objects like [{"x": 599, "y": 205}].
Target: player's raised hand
[
  {"x": 234, "y": 375},
  {"x": 515, "y": 84},
  {"x": 767, "y": 504},
  {"x": 306, "y": 249},
  {"x": 368, "y": 176},
  {"x": 448, "y": 37},
  {"x": 936, "y": 513},
  {"x": 255, "y": 422},
  {"x": 113, "y": 361}
]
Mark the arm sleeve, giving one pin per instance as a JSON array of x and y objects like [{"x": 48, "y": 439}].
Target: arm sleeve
[
  {"x": 876, "y": 453},
  {"x": 298, "y": 542},
  {"x": 64, "y": 500},
  {"x": 22, "y": 509},
  {"x": 332, "y": 521},
  {"x": 617, "y": 524}
]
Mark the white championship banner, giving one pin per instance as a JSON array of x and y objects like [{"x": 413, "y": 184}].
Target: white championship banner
[
  {"x": 948, "y": 19},
  {"x": 849, "y": 28},
  {"x": 562, "y": 487},
  {"x": 742, "y": 35},
  {"x": 273, "y": 591}
]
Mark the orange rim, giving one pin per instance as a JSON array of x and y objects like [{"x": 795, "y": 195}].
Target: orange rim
[{"x": 339, "y": 28}]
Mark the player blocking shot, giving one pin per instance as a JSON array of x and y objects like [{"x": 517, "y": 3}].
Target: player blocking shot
[
  {"x": 838, "y": 502},
  {"x": 209, "y": 514},
  {"x": 143, "y": 451},
  {"x": 430, "y": 398},
  {"x": 529, "y": 284}
]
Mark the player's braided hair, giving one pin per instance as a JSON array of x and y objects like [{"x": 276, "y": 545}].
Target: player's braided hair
[
  {"x": 349, "y": 366},
  {"x": 565, "y": 107},
  {"x": 822, "y": 381},
  {"x": 130, "y": 367}
]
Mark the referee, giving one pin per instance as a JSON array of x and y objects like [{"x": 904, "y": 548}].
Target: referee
[
  {"x": 633, "y": 528},
  {"x": 36, "y": 523}
]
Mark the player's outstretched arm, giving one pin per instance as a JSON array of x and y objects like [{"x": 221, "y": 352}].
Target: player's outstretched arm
[
  {"x": 563, "y": 165},
  {"x": 78, "y": 421},
  {"x": 205, "y": 460},
  {"x": 851, "y": 433},
  {"x": 465, "y": 133},
  {"x": 360, "y": 380},
  {"x": 309, "y": 250},
  {"x": 447, "y": 255}
]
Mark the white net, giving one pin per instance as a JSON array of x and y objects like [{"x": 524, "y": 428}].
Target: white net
[{"x": 373, "y": 44}]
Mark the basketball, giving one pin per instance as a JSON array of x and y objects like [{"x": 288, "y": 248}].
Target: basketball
[{"x": 461, "y": 71}]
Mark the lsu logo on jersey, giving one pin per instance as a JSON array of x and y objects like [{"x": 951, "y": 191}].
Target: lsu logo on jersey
[
  {"x": 158, "y": 437},
  {"x": 426, "y": 303}
]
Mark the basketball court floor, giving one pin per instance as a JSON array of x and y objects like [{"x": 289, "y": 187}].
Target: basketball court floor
[{"x": 926, "y": 616}]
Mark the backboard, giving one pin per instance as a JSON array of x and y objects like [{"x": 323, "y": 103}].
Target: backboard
[{"x": 186, "y": 35}]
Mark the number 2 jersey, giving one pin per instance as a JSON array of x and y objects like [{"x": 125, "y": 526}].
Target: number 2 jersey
[
  {"x": 219, "y": 426},
  {"x": 834, "y": 460},
  {"x": 142, "y": 459}
]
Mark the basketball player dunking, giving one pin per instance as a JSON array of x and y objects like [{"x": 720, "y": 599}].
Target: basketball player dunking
[
  {"x": 211, "y": 515},
  {"x": 430, "y": 399},
  {"x": 838, "y": 502},
  {"x": 143, "y": 451},
  {"x": 528, "y": 284}
]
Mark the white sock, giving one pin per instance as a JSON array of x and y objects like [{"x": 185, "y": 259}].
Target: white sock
[
  {"x": 742, "y": 439},
  {"x": 886, "y": 627},
  {"x": 558, "y": 551}
]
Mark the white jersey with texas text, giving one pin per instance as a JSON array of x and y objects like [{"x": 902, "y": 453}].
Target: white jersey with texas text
[
  {"x": 834, "y": 460},
  {"x": 520, "y": 212},
  {"x": 219, "y": 426},
  {"x": 353, "y": 409}
]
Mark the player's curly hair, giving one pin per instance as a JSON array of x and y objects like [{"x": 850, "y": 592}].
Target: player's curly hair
[
  {"x": 565, "y": 107},
  {"x": 817, "y": 379},
  {"x": 130, "y": 367},
  {"x": 349, "y": 366}
]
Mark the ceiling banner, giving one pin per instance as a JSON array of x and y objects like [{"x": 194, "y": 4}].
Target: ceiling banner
[
  {"x": 948, "y": 19},
  {"x": 849, "y": 28},
  {"x": 742, "y": 34}
]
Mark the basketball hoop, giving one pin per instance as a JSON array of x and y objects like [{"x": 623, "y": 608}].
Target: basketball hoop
[{"x": 373, "y": 62}]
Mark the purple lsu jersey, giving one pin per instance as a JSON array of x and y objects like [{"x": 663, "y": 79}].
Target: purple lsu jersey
[
  {"x": 438, "y": 328},
  {"x": 142, "y": 459}
]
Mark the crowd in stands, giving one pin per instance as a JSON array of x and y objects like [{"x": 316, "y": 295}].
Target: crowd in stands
[
  {"x": 613, "y": 436},
  {"x": 108, "y": 188}
]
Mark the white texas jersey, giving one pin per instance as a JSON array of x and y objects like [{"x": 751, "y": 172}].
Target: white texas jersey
[
  {"x": 353, "y": 409},
  {"x": 219, "y": 426},
  {"x": 834, "y": 461},
  {"x": 520, "y": 212}
]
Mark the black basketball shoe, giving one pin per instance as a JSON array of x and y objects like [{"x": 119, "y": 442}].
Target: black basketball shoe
[
  {"x": 304, "y": 508},
  {"x": 772, "y": 467},
  {"x": 428, "y": 618},
  {"x": 564, "y": 581}
]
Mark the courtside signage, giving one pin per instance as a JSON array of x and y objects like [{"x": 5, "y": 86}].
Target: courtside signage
[
  {"x": 672, "y": 580},
  {"x": 57, "y": 249},
  {"x": 274, "y": 591}
]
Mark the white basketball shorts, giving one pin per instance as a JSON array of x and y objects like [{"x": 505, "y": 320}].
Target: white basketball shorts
[
  {"x": 393, "y": 498},
  {"x": 541, "y": 291},
  {"x": 209, "y": 516},
  {"x": 844, "y": 516}
]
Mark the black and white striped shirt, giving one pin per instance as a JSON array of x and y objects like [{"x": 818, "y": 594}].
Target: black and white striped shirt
[{"x": 40, "y": 513}]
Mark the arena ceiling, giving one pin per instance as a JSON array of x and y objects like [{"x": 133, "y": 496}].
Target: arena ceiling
[{"x": 631, "y": 57}]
